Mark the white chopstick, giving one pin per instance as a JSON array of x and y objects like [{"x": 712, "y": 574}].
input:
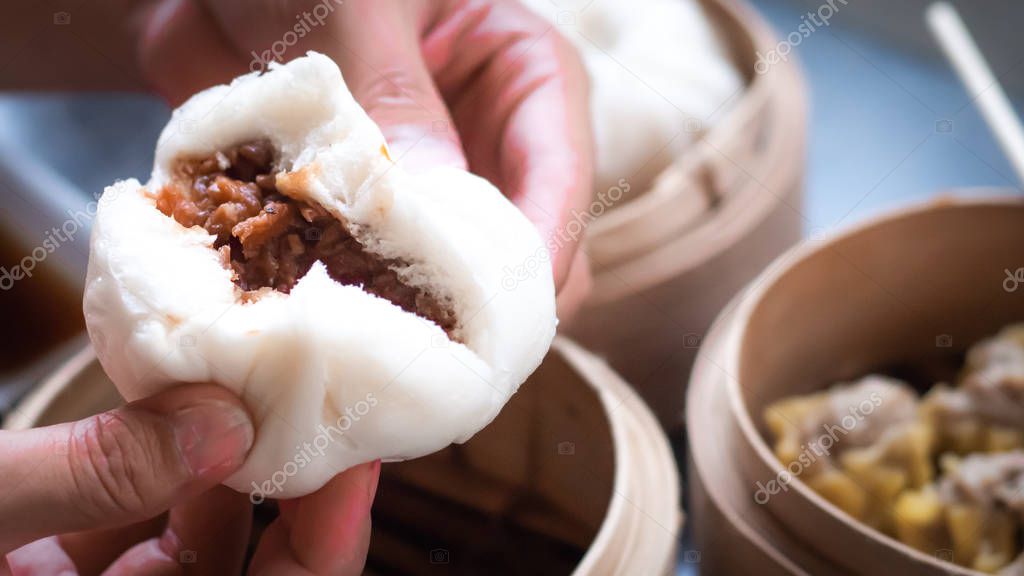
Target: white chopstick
[{"x": 961, "y": 50}]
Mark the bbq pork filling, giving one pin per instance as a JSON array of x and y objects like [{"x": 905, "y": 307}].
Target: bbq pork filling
[{"x": 270, "y": 240}]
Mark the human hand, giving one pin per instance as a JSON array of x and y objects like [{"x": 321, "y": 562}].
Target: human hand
[
  {"x": 136, "y": 490},
  {"x": 513, "y": 89}
]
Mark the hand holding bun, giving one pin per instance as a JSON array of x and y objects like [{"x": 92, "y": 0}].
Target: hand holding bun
[{"x": 277, "y": 250}]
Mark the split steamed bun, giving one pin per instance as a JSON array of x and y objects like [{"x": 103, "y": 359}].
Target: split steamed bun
[
  {"x": 360, "y": 312},
  {"x": 659, "y": 74}
]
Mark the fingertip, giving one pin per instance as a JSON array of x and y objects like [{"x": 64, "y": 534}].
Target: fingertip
[
  {"x": 331, "y": 529},
  {"x": 327, "y": 532},
  {"x": 575, "y": 288},
  {"x": 375, "y": 471},
  {"x": 157, "y": 556}
]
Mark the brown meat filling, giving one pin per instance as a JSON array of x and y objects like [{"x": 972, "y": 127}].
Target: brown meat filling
[{"x": 270, "y": 240}]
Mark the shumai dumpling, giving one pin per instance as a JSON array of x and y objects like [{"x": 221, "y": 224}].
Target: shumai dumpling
[
  {"x": 985, "y": 411},
  {"x": 974, "y": 511},
  {"x": 858, "y": 444}
]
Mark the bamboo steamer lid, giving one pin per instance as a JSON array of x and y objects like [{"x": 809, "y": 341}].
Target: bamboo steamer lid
[
  {"x": 893, "y": 291},
  {"x": 667, "y": 260},
  {"x": 575, "y": 475}
]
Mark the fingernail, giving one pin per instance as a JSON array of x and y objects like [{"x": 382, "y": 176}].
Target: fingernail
[{"x": 211, "y": 436}]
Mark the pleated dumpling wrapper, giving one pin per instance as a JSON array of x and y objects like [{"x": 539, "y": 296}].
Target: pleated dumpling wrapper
[{"x": 359, "y": 311}]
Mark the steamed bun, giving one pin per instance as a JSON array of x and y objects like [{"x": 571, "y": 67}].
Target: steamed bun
[
  {"x": 337, "y": 360},
  {"x": 659, "y": 75}
]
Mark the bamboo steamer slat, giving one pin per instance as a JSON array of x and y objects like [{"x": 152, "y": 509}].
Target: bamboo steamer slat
[
  {"x": 878, "y": 295},
  {"x": 605, "y": 503},
  {"x": 667, "y": 260},
  {"x": 732, "y": 533}
]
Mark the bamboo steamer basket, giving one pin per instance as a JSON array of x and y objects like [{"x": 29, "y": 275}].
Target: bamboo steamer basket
[
  {"x": 732, "y": 533},
  {"x": 667, "y": 260},
  {"x": 910, "y": 290},
  {"x": 574, "y": 476}
]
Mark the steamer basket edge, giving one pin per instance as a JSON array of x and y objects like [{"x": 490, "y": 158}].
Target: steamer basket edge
[
  {"x": 800, "y": 502},
  {"x": 627, "y": 415},
  {"x": 688, "y": 278}
]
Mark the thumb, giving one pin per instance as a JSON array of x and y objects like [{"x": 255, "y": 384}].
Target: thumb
[
  {"x": 376, "y": 43},
  {"x": 122, "y": 466}
]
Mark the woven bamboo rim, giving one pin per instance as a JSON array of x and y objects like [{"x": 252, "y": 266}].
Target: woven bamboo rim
[
  {"x": 668, "y": 260},
  {"x": 761, "y": 133},
  {"x": 732, "y": 533},
  {"x": 634, "y": 525},
  {"x": 897, "y": 281}
]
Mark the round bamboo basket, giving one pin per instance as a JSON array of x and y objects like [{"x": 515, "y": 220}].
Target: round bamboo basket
[
  {"x": 733, "y": 534},
  {"x": 575, "y": 476},
  {"x": 912, "y": 290},
  {"x": 668, "y": 259}
]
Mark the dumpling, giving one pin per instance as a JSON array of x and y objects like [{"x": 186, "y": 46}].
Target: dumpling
[
  {"x": 858, "y": 444},
  {"x": 973, "y": 514},
  {"x": 360, "y": 312},
  {"x": 985, "y": 412}
]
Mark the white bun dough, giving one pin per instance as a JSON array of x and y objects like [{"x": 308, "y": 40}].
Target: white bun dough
[
  {"x": 326, "y": 360},
  {"x": 659, "y": 75}
]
